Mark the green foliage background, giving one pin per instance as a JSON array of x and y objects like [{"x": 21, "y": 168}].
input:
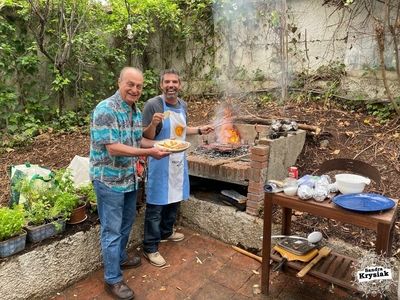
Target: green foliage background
[{"x": 59, "y": 58}]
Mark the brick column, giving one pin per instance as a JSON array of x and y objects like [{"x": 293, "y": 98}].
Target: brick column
[{"x": 258, "y": 177}]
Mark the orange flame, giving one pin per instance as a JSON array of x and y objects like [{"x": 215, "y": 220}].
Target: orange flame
[{"x": 228, "y": 134}]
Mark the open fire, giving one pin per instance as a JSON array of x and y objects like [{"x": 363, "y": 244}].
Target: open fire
[
  {"x": 226, "y": 140},
  {"x": 226, "y": 132}
]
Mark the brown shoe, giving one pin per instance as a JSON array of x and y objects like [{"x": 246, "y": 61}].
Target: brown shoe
[
  {"x": 119, "y": 290},
  {"x": 132, "y": 262}
]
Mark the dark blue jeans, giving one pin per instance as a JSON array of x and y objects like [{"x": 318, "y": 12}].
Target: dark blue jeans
[
  {"x": 117, "y": 212},
  {"x": 158, "y": 224}
]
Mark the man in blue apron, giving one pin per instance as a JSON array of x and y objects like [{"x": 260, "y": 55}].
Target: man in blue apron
[
  {"x": 164, "y": 117},
  {"x": 116, "y": 138}
]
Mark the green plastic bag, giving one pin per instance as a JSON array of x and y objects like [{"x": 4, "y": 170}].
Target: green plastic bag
[{"x": 37, "y": 175}]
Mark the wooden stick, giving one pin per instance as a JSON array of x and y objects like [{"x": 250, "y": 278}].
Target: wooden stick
[
  {"x": 259, "y": 258},
  {"x": 221, "y": 162},
  {"x": 324, "y": 252},
  {"x": 267, "y": 121},
  {"x": 316, "y": 129}
]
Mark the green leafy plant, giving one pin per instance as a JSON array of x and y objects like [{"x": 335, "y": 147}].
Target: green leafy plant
[
  {"x": 66, "y": 202},
  {"x": 11, "y": 221},
  {"x": 42, "y": 213},
  {"x": 39, "y": 198},
  {"x": 87, "y": 190},
  {"x": 382, "y": 112},
  {"x": 33, "y": 191},
  {"x": 258, "y": 75},
  {"x": 64, "y": 181},
  {"x": 69, "y": 197},
  {"x": 260, "y": 210},
  {"x": 48, "y": 201}
]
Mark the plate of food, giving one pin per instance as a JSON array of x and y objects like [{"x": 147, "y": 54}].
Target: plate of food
[{"x": 173, "y": 145}]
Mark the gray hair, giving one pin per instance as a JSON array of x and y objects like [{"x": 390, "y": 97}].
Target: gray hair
[
  {"x": 121, "y": 74},
  {"x": 170, "y": 71}
]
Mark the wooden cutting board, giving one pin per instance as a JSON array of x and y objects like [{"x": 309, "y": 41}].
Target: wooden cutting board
[{"x": 289, "y": 256}]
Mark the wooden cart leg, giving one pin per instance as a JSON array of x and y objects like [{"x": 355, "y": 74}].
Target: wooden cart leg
[
  {"x": 384, "y": 238},
  {"x": 286, "y": 221},
  {"x": 267, "y": 230}
]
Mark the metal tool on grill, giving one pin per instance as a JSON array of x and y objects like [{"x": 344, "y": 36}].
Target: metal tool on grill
[
  {"x": 296, "y": 246},
  {"x": 295, "y": 249}
]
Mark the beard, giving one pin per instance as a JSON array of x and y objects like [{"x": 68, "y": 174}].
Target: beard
[{"x": 171, "y": 96}]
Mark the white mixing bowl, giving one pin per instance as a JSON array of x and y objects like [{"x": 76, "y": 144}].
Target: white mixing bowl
[{"x": 351, "y": 183}]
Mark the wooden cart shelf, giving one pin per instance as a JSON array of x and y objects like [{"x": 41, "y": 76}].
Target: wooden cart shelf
[{"x": 335, "y": 268}]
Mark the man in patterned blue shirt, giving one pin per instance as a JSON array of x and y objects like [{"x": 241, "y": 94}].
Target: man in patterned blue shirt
[{"x": 116, "y": 141}]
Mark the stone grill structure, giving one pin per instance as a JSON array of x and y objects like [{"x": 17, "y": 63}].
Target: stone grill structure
[{"x": 267, "y": 159}]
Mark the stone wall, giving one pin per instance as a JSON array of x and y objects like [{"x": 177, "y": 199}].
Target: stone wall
[{"x": 38, "y": 274}]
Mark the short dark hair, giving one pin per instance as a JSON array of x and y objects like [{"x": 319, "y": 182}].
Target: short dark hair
[{"x": 169, "y": 71}]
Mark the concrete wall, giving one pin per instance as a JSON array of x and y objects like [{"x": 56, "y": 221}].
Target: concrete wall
[
  {"x": 40, "y": 273},
  {"x": 284, "y": 152},
  {"x": 249, "y": 45}
]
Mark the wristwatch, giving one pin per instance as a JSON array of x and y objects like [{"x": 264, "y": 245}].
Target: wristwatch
[{"x": 199, "y": 131}]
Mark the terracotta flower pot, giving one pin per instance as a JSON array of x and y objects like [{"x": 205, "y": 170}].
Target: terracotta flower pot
[{"x": 78, "y": 214}]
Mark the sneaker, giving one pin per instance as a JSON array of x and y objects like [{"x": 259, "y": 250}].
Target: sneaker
[
  {"x": 155, "y": 258},
  {"x": 175, "y": 237}
]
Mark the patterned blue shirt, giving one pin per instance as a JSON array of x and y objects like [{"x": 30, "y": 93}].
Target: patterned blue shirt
[{"x": 110, "y": 124}]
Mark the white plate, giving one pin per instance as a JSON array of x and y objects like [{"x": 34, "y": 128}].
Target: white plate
[{"x": 181, "y": 145}]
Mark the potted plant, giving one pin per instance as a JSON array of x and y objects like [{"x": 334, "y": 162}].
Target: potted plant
[
  {"x": 12, "y": 235},
  {"x": 72, "y": 207},
  {"x": 87, "y": 191},
  {"x": 69, "y": 200},
  {"x": 43, "y": 219}
]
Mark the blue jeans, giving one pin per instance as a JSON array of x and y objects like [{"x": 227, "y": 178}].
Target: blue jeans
[
  {"x": 158, "y": 224},
  {"x": 117, "y": 212}
]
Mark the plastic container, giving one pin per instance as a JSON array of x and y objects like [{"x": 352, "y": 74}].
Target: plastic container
[
  {"x": 351, "y": 183},
  {"x": 307, "y": 180},
  {"x": 290, "y": 186}
]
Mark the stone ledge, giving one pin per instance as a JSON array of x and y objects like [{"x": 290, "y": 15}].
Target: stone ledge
[{"x": 39, "y": 274}]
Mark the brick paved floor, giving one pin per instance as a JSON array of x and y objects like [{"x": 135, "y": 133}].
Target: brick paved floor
[{"x": 202, "y": 268}]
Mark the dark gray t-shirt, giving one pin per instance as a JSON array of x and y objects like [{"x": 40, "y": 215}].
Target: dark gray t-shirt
[{"x": 155, "y": 105}]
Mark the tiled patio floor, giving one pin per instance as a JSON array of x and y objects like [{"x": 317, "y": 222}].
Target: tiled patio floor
[{"x": 202, "y": 268}]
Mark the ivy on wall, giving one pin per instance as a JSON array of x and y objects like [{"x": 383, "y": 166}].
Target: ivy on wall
[{"x": 57, "y": 56}]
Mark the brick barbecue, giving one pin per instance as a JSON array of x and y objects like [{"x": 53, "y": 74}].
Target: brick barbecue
[{"x": 251, "y": 161}]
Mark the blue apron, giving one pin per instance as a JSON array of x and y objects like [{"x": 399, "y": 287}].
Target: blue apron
[{"x": 168, "y": 178}]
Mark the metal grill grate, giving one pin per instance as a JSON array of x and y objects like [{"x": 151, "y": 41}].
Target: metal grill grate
[{"x": 296, "y": 246}]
